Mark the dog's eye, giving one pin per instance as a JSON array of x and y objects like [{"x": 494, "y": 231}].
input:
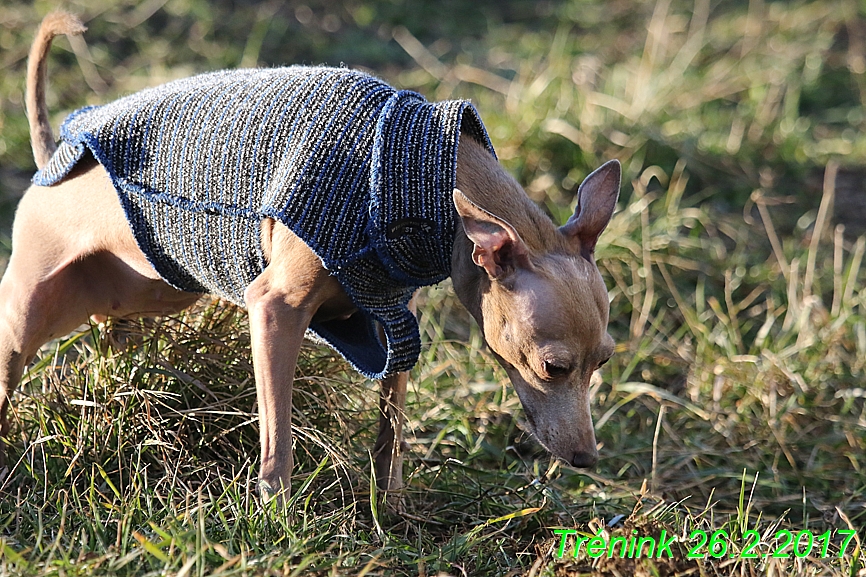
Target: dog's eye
[{"x": 556, "y": 369}]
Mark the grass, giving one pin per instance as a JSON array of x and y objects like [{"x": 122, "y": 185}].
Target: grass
[{"x": 735, "y": 402}]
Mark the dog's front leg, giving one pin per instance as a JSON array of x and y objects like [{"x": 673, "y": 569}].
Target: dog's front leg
[
  {"x": 281, "y": 303},
  {"x": 276, "y": 329},
  {"x": 388, "y": 451}
]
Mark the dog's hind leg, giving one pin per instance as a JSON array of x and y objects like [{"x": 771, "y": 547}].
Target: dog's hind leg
[
  {"x": 36, "y": 307},
  {"x": 38, "y": 297},
  {"x": 32, "y": 311},
  {"x": 73, "y": 256},
  {"x": 38, "y": 302}
]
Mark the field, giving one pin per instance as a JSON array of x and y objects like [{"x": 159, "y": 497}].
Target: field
[{"x": 734, "y": 406}]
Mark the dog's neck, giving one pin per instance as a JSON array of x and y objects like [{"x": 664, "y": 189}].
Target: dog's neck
[{"x": 483, "y": 180}]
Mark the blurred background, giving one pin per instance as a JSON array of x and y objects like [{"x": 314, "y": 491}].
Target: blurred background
[{"x": 741, "y": 91}]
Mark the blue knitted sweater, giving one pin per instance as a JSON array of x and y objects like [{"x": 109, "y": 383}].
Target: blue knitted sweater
[{"x": 359, "y": 171}]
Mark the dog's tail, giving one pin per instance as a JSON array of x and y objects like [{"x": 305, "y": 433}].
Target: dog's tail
[{"x": 41, "y": 136}]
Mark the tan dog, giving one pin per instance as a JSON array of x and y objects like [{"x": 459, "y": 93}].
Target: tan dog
[{"x": 533, "y": 288}]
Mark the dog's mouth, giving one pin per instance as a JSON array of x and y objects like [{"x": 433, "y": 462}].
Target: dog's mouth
[{"x": 532, "y": 428}]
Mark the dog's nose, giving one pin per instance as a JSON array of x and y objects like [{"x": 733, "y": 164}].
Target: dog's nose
[{"x": 584, "y": 460}]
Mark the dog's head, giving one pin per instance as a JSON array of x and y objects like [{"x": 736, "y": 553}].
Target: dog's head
[{"x": 544, "y": 313}]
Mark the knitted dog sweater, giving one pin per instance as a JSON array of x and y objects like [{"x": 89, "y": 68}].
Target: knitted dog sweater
[{"x": 361, "y": 172}]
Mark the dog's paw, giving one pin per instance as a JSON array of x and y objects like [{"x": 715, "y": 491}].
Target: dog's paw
[{"x": 268, "y": 493}]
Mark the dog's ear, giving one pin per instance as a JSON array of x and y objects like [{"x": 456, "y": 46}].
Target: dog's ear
[
  {"x": 596, "y": 199},
  {"x": 499, "y": 250}
]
